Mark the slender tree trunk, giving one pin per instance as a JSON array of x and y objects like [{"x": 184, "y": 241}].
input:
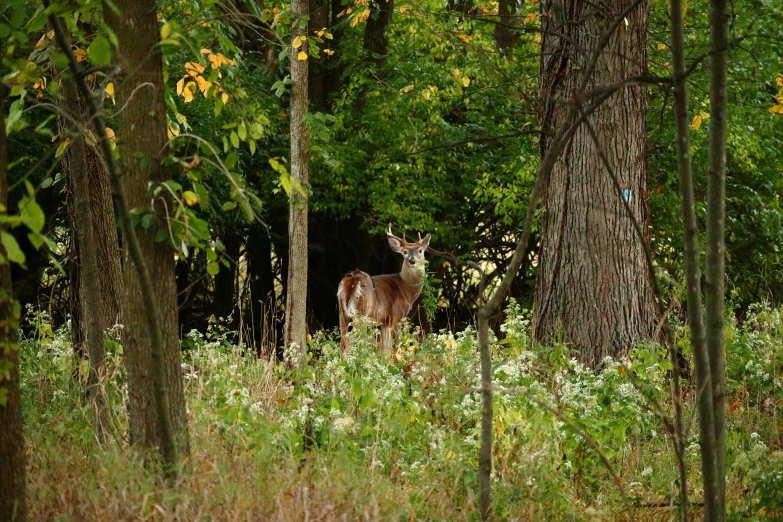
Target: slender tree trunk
[
  {"x": 505, "y": 33},
  {"x": 262, "y": 290},
  {"x": 226, "y": 281},
  {"x": 704, "y": 390},
  {"x": 13, "y": 505},
  {"x": 154, "y": 379},
  {"x": 319, "y": 19},
  {"x": 716, "y": 250},
  {"x": 89, "y": 289},
  {"x": 376, "y": 43},
  {"x": 593, "y": 290},
  {"x": 296, "y": 301}
]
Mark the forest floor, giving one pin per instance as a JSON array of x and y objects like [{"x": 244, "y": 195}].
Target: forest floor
[{"x": 366, "y": 438}]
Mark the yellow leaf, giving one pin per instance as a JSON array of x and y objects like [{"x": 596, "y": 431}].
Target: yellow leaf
[
  {"x": 218, "y": 59},
  {"x": 696, "y": 123},
  {"x": 320, "y": 33},
  {"x": 297, "y": 43},
  {"x": 180, "y": 86},
  {"x": 704, "y": 115},
  {"x": 41, "y": 43},
  {"x": 224, "y": 97},
  {"x": 110, "y": 92},
  {"x": 80, "y": 54},
  {"x": 341, "y": 13},
  {"x": 165, "y": 31},
  {"x": 530, "y": 18},
  {"x": 110, "y": 135},
  {"x": 329, "y": 52},
  {"x": 776, "y": 109},
  {"x": 665, "y": 64},
  {"x": 407, "y": 88},
  {"x": 779, "y": 81},
  {"x": 190, "y": 198},
  {"x": 302, "y": 56},
  {"x": 433, "y": 89},
  {"x": 465, "y": 81},
  {"x": 188, "y": 91},
  {"x": 365, "y": 15},
  {"x": 425, "y": 94},
  {"x": 355, "y": 21},
  {"x": 203, "y": 85},
  {"x": 465, "y": 38},
  {"x": 404, "y": 9},
  {"x": 206, "y": 51},
  {"x": 194, "y": 68},
  {"x": 661, "y": 47}
]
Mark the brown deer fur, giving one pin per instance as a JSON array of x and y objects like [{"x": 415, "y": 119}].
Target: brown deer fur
[{"x": 384, "y": 299}]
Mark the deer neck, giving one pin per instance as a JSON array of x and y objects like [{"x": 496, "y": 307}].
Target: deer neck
[{"x": 412, "y": 275}]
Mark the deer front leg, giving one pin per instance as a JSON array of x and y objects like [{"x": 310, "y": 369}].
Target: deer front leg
[{"x": 387, "y": 333}]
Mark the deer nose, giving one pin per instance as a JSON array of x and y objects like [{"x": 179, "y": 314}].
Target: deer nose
[{"x": 412, "y": 260}]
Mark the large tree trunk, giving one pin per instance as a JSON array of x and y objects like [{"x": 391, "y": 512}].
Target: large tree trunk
[
  {"x": 296, "y": 301},
  {"x": 13, "y": 505},
  {"x": 141, "y": 139},
  {"x": 593, "y": 289},
  {"x": 93, "y": 235}
]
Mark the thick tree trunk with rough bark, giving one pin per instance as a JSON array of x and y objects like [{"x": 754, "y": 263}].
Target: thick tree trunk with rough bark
[
  {"x": 13, "y": 505},
  {"x": 296, "y": 301},
  {"x": 593, "y": 290},
  {"x": 97, "y": 300},
  {"x": 141, "y": 139}
]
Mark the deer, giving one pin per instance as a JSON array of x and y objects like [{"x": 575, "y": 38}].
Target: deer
[{"x": 384, "y": 299}]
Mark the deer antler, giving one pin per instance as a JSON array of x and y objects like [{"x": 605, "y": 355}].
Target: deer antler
[{"x": 419, "y": 237}]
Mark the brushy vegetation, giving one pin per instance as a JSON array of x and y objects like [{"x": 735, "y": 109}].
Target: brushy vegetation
[{"x": 365, "y": 438}]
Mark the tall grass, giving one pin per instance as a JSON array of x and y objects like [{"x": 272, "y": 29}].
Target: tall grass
[{"x": 366, "y": 438}]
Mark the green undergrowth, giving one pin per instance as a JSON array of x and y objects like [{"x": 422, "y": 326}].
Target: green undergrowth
[{"x": 370, "y": 437}]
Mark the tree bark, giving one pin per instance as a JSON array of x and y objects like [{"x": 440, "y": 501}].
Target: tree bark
[
  {"x": 296, "y": 301},
  {"x": 226, "y": 281},
  {"x": 90, "y": 290},
  {"x": 376, "y": 43},
  {"x": 319, "y": 19},
  {"x": 593, "y": 290},
  {"x": 713, "y": 510},
  {"x": 262, "y": 290},
  {"x": 154, "y": 379},
  {"x": 13, "y": 505},
  {"x": 716, "y": 248},
  {"x": 505, "y": 34}
]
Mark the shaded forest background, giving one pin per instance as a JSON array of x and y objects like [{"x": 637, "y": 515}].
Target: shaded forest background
[{"x": 416, "y": 120}]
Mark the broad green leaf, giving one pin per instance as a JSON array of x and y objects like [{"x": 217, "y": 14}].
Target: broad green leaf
[
  {"x": 12, "y": 250},
  {"x": 33, "y": 215},
  {"x": 100, "y": 51}
]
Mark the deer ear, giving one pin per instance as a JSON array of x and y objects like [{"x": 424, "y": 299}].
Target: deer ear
[
  {"x": 394, "y": 243},
  {"x": 425, "y": 242}
]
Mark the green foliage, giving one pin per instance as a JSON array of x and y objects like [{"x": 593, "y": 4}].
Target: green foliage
[{"x": 407, "y": 425}]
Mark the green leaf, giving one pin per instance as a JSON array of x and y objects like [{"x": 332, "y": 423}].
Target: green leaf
[
  {"x": 33, "y": 215},
  {"x": 229, "y": 205},
  {"x": 99, "y": 51},
  {"x": 242, "y": 131},
  {"x": 234, "y": 139},
  {"x": 231, "y": 160},
  {"x": 213, "y": 268},
  {"x": 12, "y": 250}
]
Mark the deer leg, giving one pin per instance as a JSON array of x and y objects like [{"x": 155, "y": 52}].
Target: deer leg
[
  {"x": 344, "y": 324},
  {"x": 386, "y": 338}
]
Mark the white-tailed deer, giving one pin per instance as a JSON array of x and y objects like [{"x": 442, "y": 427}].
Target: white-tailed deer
[{"x": 384, "y": 299}]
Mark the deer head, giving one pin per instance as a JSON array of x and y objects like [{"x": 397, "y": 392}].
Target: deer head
[{"x": 413, "y": 253}]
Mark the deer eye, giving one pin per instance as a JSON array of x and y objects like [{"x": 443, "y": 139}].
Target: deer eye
[{"x": 405, "y": 252}]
